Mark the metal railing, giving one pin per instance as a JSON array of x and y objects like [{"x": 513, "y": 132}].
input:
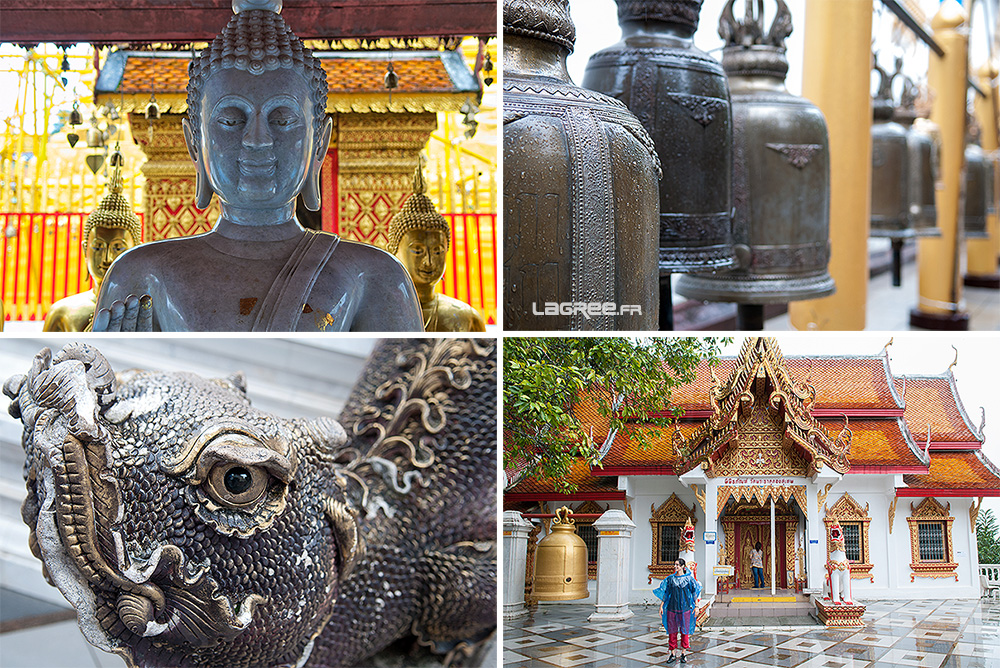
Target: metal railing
[
  {"x": 989, "y": 577},
  {"x": 41, "y": 262}
]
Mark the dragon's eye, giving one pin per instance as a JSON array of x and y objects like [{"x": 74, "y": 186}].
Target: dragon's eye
[{"x": 236, "y": 485}]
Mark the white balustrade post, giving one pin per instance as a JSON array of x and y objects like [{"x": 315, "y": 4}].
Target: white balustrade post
[
  {"x": 515, "y": 556},
  {"x": 614, "y": 535}
]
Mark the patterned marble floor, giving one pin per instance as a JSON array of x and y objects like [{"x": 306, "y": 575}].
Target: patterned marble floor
[{"x": 914, "y": 634}]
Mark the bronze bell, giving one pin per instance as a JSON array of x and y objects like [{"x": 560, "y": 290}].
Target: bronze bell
[
  {"x": 680, "y": 95},
  {"x": 904, "y": 171},
  {"x": 978, "y": 191},
  {"x": 580, "y": 189},
  {"x": 924, "y": 140},
  {"x": 561, "y": 562},
  {"x": 781, "y": 177}
]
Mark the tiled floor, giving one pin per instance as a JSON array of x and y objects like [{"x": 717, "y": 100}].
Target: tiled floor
[{"x": 917, "y": 634}]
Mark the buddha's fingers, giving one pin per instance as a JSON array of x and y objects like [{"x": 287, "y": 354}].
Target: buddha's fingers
[
  {"x": 117, "y": 313},
  {"x": 131, "y": 314},
  {"x": 101, "y": 320}
]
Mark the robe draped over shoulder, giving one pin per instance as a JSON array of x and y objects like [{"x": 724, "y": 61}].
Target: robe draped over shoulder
[{"x": 282, "y": 306}]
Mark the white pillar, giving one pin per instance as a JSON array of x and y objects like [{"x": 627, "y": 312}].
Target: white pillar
[
  {"x": 774, "y": 546},
  {"x": 815, "y": 543},
  {"x": 711, "y": 524},
  {"x": 614, "y": 534},
  {"x": 515, "y": 556}
]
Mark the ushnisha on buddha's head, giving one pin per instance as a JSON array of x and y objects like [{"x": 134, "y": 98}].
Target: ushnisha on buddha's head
[
  {"x": 420, "y": 237},
  {"x": 257, "y": 128},
  {"x": 112, "y": 228}
]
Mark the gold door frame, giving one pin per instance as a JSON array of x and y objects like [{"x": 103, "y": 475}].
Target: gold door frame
[{"x": 747, "y": 515}]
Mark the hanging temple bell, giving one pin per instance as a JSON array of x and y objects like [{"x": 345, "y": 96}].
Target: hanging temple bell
[
  {"x": 680, "y": 95},
  {"x": 979, "y": 178},
  {"x": 781, "y": 174},
  {"x": 905, "y": 165},
  {"x": 561, "y": 562},
  {"x": 905, "y": 159},
  {"x": 580, "y": 189}
]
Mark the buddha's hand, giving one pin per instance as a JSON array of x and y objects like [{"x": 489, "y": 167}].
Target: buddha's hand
[{"x": 135, "y": 314}]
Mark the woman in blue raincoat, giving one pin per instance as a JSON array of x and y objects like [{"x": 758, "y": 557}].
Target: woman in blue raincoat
[{"x": 678, "y": 594}]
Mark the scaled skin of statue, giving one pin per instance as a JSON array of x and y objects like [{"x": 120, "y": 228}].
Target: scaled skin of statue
[
  {"x": 109, "y": 231},
  {"x": 257, "y": 132},
  {"x": 420, "y": 237}
]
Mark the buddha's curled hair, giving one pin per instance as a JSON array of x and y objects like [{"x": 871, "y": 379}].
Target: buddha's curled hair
[{"x": 256, "y": 41}]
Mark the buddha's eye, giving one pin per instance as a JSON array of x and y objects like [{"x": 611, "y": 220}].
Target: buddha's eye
[
  {"x": 231, "y": 117},
  {"x": 282, "y": 118},
  {"x": 236, "y": 485}
]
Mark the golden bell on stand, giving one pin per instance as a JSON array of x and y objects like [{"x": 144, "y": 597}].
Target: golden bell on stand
[{"x": 561, "y": 562}]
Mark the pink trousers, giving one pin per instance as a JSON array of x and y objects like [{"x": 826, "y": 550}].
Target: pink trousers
[{"x": 685, "y": 640}]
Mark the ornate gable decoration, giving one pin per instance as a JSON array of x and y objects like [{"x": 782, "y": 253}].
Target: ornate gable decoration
[
  {"x": 930, "y": 508},
  {"x": 736, "y": 398},
  {"x": 673, "y": 511},
  {"x": 590, "y": 508}
]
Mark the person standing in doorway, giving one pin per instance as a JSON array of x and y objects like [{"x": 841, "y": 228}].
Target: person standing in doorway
[
  {"x": 757, "y": 566},
  {"x": 678, "y": 595}
]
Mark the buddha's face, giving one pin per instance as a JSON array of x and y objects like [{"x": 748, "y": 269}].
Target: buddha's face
[
  {"x": 104, "y": 244},
  {"x": 257, "y": 136},
  {"x": 424, "y": 253}
]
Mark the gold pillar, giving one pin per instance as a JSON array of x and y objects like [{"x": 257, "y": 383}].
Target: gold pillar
[
  {"x": 836, "y": 76},
  {"x": 168, "y": 195},
  {"x": 939, "y": 305},
  {"x": 376, "y": 157},
  {"x": 982, "y": 254}
]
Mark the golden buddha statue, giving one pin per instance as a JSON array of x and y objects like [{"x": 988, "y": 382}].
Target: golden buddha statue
[
  {"x": 258, "y": 133},
  {"x": 110, "y": 230},
  {"x": 420, "y": 238}
]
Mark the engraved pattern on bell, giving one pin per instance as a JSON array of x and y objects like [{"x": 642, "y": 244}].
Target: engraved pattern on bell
[
  {"x": 781, "y": 174},
  {"x": 580, "y": 189},
  {"x": 904, "y": 166},
  {"x": 680, "y": 95}
]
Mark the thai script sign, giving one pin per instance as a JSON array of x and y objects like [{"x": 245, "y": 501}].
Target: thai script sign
[{"x": 763, "y": 481}]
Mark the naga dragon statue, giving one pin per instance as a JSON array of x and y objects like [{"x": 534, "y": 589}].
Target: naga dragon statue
[{"x": 188, "y": 528}]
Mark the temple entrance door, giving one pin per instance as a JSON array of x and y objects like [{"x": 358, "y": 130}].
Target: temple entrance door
[{"x": 747, "y": 535}]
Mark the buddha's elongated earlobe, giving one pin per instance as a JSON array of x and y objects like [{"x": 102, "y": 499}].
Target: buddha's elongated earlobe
[
  {"x": 202, "y": 188},
  {"x": 312, "y": 193}
]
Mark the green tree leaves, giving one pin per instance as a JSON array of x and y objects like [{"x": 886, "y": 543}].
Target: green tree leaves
[
  {"x": 627, "y": 379},
  {"x": 986, "y": 537}
]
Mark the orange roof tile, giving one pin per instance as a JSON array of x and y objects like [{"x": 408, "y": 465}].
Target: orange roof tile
[
  {"x": 344, "y": 75},
  {"x": 933, "y": 400},
  {"x": 878, "y": 443},
  {"x": 585, "y": 410},
  {"x": 359, "y": 75},
  {"x": 625, "y": 451},
  {"x": 579, "y": 475},
  {"x": 969, "y": 471},
  {"x": 840, "y": 382}
]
